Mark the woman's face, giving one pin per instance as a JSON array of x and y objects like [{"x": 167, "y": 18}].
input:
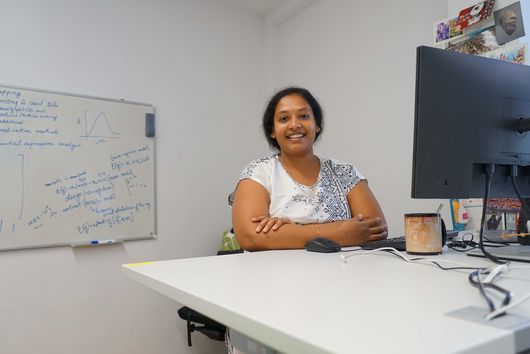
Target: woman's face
[{"x": 294, "y": 125}]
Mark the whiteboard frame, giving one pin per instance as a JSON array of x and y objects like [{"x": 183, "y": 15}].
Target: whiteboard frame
[{"x": 154, "y": 236}]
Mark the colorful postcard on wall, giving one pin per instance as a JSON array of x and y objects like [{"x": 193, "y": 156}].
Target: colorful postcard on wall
[
  {"x": 513, "y": 53},
  {"x": 473, "y": 14},
  {"x": 459, "y": 215},
  {"x": 481, "y": 42},
  {"x": 441, "y": 31},
  {"x": 454, "y": 28},
  {"x": 502, "y": 213},
  {"x": 509, "y": 23},
  {"x": 473, "y": 208},
  {"x": 495, "y": 221},
  {"x": 447, "y": 30},
  {"x": 503, "y": 205}
]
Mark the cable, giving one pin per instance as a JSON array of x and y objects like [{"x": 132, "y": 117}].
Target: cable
[
  {"x": 474, "y": 278},
  {"x": 466, "y": 234},
  {"x": 482, "y": 285},
  {"x": 395, "y": 252},
  {"x": 502, "y": 310},
  {"x": 351, "y": 250},
  {"x": 490, "y": 168},
  {"x": 463, "y": 244},
  {"x": 513, "y": 174},
  {"x": 496, "y": 271}
]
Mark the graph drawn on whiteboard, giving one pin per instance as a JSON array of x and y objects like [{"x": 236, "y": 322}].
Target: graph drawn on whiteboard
[{"x": 99, "y": 128}]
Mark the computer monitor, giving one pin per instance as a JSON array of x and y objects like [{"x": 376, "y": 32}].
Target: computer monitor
[
  {"x": 468, "y": 114},
  {"x": 472, "y": 114}
]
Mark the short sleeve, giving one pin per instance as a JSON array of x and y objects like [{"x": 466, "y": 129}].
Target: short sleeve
[
  {"x": 347, "y": 174},
  {"x": 259, "y": 171}
]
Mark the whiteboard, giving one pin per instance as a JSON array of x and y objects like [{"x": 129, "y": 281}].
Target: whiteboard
[{"x": 75, "y": 170}]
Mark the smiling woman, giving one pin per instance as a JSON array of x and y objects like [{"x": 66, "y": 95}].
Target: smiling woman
[{"x": 284, "y": 200}]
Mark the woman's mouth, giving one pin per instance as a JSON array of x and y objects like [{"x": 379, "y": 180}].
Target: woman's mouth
[{"x": 295, "y": 136}]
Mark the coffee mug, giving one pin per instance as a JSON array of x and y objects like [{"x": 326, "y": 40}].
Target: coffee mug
[{"x": 424, "y": 233}]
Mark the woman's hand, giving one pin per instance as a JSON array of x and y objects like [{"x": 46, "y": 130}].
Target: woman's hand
[
  {"x": 266, "y": 223},
  {"x": 359, "y": 230}
]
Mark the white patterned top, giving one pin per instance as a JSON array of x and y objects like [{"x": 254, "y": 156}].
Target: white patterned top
[{"x": 325, "y": 201}]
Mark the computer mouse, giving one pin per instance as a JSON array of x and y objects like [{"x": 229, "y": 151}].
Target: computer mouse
[{"x": 322, "y": 245}]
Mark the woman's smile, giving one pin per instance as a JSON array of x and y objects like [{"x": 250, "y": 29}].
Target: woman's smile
[{"x": 294, "y": 125}]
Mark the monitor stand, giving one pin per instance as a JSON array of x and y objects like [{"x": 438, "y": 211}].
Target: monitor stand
[
  {"x": 496, "y": 236},
  {"x": 518, "y": 253}
]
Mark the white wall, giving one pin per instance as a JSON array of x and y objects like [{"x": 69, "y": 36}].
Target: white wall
[
  {"x": 358, "y": 58},
  {"x": 200, "y": 63}
]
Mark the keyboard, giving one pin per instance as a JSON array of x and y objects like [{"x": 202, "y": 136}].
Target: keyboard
[{"x": 394, "y": 242}]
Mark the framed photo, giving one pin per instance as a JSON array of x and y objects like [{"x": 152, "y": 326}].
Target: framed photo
[{"x": 509, "y": 23}]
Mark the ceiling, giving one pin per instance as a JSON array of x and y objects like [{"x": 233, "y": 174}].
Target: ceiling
[{"x": 257, "y": 7}]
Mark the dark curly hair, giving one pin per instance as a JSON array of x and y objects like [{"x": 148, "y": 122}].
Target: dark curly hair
[{"x": 268, "y": 115}]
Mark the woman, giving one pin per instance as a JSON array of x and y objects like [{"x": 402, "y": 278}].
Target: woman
[{"x": 287, "y": 199}]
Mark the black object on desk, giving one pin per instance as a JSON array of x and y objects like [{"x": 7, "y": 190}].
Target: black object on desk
[
  {"x": 394, "y": 242},
  {"x": 400, "y": 243},
  {"x": 322, "y": 245}
]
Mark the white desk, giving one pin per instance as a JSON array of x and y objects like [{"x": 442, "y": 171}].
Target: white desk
[{"x": 303, "y": 302}]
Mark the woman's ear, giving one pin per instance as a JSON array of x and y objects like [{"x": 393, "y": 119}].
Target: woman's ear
[{"x": 318, "y": 129}]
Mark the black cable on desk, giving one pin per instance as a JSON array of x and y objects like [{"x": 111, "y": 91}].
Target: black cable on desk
[{"x": 490, "y": 168}]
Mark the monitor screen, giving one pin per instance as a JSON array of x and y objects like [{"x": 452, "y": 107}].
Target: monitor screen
[{"x": 468, "y": 113}]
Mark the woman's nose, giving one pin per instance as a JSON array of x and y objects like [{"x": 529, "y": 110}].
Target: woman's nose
[{"x": 294, "y": 124}]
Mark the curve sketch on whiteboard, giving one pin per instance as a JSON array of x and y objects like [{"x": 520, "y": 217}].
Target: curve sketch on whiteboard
[{"x": 100, "y": 127}]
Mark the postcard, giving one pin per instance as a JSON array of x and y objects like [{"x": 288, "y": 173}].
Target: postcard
[
  {"x": 480, "y": 43},
  {"x": 473, "y": 14},
  {"x": 447, "y": 30},
  {"x": 441, "y": 31},
  {"x": 454, "y": 28},
  {"x": 509, "y": 23},
  {"x": 513, "y": 53}
]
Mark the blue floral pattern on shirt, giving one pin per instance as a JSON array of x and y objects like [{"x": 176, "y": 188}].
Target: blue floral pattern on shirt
[{"x": 326, "y": 201}]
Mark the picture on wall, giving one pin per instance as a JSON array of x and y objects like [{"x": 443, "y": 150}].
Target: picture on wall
[
  {"x": 441, "y": 30},
  {"x": 514, "y": 53},
  {"x": 502, "y": 214},
  {"x": 446, "y": 30},
  {"x": 473, "y": 14},
  {"x": 509, "y": 23},
  {"x": 479, "y": 43},
  {"x": 454, "y": 28}
]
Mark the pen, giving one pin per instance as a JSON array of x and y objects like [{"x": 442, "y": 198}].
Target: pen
[{"x": 102, "y": 242}]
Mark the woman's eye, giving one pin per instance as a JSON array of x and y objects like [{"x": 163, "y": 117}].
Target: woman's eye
[
  {"x": 282, "y": 119},
  {"x": 305, "y": 116}
]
